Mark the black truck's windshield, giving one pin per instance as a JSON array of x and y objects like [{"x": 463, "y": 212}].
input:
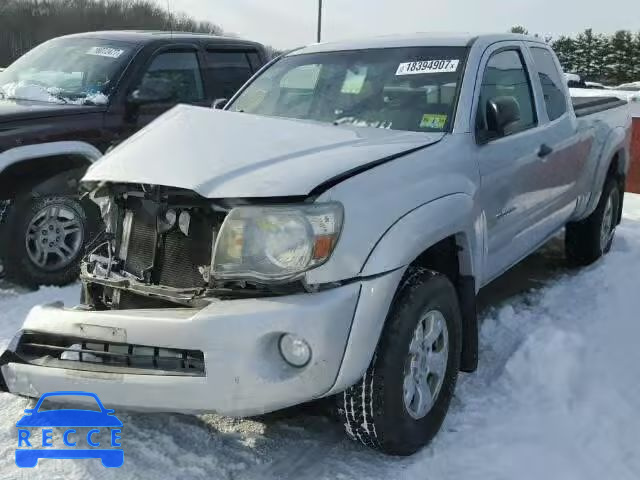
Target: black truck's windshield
[
  {"x": 413, "y": 89},
  {"x": 77, "y": 70}
]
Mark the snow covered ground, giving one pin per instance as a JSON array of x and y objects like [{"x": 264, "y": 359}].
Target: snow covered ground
[{"x": 556, "y": 396}]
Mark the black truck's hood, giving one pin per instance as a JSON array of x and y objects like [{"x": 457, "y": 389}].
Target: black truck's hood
[{"x": 11, "y": 110}]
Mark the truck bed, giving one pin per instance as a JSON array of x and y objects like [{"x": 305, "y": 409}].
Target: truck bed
[{"x": 589, "y": 105}]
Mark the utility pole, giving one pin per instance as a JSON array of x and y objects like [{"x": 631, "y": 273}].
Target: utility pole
[{"x": 319, "y": 21}]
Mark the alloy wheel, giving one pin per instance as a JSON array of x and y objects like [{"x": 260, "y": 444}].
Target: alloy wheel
[
  {"x": 607, "y": 228},
  {"x": 54, "y": 237},
  {"x": 426, "y": 364}
]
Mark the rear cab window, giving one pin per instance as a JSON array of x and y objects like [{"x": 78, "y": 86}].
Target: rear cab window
[
  {"x": 552, "y": 86},
  {"x": 410, "y": 88},
  {"x": 228, "y": 70}
]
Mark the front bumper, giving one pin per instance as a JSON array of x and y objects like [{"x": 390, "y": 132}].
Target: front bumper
[{"x": 244, "y": 371}]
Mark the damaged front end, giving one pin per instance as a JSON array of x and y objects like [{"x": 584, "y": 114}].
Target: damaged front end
[{"x": 164, "y": 247}]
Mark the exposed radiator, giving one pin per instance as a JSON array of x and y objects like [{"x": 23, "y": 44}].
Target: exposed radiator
[
  {"x": 183, "y": 258},
  {"x": 141, "y": 245},
  {"x": 173, "y": 258}
]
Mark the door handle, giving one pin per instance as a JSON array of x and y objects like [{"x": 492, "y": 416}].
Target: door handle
[{"x": 544, "y": 150}]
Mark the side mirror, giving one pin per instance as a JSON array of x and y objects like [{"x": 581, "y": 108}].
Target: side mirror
[
  {"x": 501, "y": 113},
  {"x": 152, "y": 90},
  {"x": 219, "y": 103}
]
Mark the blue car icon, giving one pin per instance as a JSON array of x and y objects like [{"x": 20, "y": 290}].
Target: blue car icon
[{"x": 111, "y": 457}]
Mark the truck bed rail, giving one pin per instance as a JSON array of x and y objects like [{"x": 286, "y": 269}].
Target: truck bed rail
[{"x": 589, "y": 105}]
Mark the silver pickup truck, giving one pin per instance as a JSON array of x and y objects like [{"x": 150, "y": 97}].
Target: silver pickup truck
[{"x": 326, "y": 234}]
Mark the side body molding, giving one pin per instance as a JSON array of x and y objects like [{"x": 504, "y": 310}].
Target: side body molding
[{"x": 27, "y": 152}]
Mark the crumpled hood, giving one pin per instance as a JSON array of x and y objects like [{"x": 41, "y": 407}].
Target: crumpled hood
[{"x": 222, "y": 154}]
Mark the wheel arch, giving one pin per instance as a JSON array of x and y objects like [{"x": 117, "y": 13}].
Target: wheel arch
[
  {"x": 452, "y": 258},
  {"x": 618, "y": 170},
  {"x": 448, "y": 245},
  {"x": 26, "y": 167},
  {"x": 413, "y": 234},
  {"x": 439, "y": 236},
  {"x": 614, "y": 159}
]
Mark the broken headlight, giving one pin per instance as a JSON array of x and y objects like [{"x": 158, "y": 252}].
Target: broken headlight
[{"x": 276, "y": 243}]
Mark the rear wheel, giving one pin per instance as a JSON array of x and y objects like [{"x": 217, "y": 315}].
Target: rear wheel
[
  {"x": 46, "y": 241},
  {"x": 587, "y": 240},
  {"x": 400, "y": 403}
]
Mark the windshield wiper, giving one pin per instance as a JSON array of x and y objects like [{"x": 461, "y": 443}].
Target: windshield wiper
[{"x": 59, "y": 97}]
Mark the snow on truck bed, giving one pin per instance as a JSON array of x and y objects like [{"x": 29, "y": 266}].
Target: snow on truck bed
[{"x": 556, "y": 395}]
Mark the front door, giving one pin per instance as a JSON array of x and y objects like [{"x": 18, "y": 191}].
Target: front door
[
  {"x": 180, "y": 69},
  {"x": 507, "y": 158}
]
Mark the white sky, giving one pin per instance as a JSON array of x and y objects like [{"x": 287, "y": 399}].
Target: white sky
[{"x": 292, "y": 23}]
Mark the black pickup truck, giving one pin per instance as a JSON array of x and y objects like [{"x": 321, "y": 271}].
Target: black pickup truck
[{"x": 65, "y": 103}]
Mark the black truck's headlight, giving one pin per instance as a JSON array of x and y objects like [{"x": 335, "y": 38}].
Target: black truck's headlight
[{"x": 276, "y": 243}]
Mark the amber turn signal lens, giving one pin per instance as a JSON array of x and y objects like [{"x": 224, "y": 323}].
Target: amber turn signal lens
[{"x": 322, "y": 248}]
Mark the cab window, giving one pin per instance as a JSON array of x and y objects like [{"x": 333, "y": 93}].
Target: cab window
[
  {"x": 180, "y": 71},
  {"x": 227, "y": 72},
  {"x": 552, "y": 89},
  {"x": 505, "y": 78}
]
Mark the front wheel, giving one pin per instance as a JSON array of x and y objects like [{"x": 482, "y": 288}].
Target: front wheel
[
  {"x": 401, "y": 402},
  {"x": 46, "y": 241},
  {"x": 587, "y": 240}
]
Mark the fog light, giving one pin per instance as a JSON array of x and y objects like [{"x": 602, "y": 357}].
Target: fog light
[{"x": 295, "y": 351}]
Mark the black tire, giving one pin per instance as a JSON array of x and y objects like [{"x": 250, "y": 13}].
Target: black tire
[
  {"x": 373, "y": 410},
  {"x": 583, "y": 244},
  {"x": 17, "y": 261}
]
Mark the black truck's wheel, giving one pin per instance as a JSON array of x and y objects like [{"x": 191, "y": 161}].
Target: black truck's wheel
[
  {"x": 46, "y": 240},
  {"x": 402, "y": 400},
  {"x": 589, "y": 239}
]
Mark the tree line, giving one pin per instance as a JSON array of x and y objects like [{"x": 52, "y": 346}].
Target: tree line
[
  {"x": 610, "y": 59},
  {"x": 27, "y": 23}
]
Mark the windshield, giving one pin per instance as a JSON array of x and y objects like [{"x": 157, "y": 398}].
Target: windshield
[
  {"x": 413, "y": 89},
  {"x": 67, "y": 70}
]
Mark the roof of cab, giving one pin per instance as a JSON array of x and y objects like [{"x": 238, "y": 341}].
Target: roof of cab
[
  {"x": 142, "y": 37},
  {"x": 425, "y": 39}
]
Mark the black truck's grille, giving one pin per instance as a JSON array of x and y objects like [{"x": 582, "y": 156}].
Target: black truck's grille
[{"x": 96, "y": 355}]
